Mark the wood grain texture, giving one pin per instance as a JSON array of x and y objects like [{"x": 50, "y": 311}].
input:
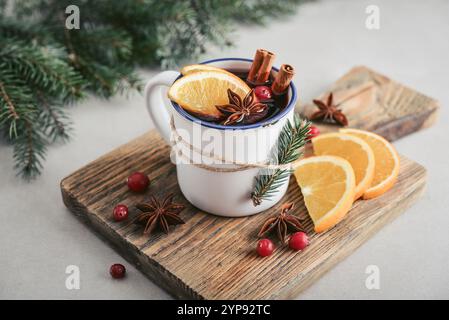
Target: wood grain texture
[
  {"x": 213, "y": 257},
  {"x": 377, "y": 103}
]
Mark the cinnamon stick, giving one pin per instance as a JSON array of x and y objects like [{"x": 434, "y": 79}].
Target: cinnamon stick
[
  {"x": 265, "y": 68},
  {"x": 283, "y": 79},
  {"x": 255, "y": 66},
  {"x": 261, "y": 67}
]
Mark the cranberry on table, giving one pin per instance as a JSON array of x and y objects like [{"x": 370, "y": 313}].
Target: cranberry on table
[
  {"x": 265, "y": 247},
  {"x": 298, "y": 241},
  {"x": 138, "y": 182},
  {"x": 120, "y": 212},
  {"x": 263, "y": 93},
  {"x": 117, "y": 271},
  {"x": 313, "y": 132}
]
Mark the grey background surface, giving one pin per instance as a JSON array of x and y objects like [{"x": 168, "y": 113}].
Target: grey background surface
[{"x": 39, "y": 238}]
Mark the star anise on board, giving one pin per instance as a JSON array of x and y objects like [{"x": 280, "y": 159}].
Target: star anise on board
[
  {"x": 329, "y": 112},
  {"x": 246, "y": 111},
  {"x": 159, "y": 213},
  {"x": 281, "y": 223}
]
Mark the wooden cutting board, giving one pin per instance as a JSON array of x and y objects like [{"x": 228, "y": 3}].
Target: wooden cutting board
[
  {"x": 374, "y": 102},
  {"x": 213, "y": 257}
]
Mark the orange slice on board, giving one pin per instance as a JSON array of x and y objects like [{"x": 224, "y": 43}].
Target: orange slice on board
[
  {"x": 353, "y": 149},
  {"x": 386, "y": 169},
  {"x": 199, "y": 92},
  {"x": 328, "y": 186}
]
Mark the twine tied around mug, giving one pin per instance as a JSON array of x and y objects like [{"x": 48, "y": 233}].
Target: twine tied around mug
[{"x": 176, "y": 139}]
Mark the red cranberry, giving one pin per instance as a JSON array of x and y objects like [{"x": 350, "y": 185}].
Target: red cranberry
[
  {"x": 138, "y": 182},
  {"x": 298, "y": 241},
  {"x": 120, "y": 212},
  {"x": 265, "y": 247},
  {"x": 313, "y": 132},
  {"x": 263, "y": 93},
  {"x": 117, "y": 271}
]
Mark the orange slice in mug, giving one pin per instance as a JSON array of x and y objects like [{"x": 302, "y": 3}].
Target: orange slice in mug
[
  {"x": 199, "y": 92},
  {"x": 191, "y": 68}
]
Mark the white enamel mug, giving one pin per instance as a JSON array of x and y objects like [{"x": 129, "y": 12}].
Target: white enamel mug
[{"x": 219, "y": 188}]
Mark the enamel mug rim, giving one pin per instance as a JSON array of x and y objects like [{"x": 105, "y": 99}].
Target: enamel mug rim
[{"x": 291, "y": 104}]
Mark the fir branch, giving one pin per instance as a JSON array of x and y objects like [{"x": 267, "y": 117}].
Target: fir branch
[
  {"x": 25, "y": 30},
  {"x": 44, "y": 66},
  {"x": 7, "y": 101},
  {"x": 104, "y": 44},
  {"x": 21, "y": 127},
  {"x": 29, "y": 150},
  {"x": 53, "y": 120},
  {"x": 105, "y": 81},
  {"x": 16, "y": 102},
  {"x": 287, "y": 150}
]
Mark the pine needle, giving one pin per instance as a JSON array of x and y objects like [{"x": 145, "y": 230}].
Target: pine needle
[{"x": 288, "y": 149}]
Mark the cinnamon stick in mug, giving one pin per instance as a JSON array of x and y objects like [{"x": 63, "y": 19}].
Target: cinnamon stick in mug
[
  {"x": 255, "y": 66},
  {"x": 283, "y": 79},
  {"x": 261, "y": 67},
  {"x": 265, "y": 68}
]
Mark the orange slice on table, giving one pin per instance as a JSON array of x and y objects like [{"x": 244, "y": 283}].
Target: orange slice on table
[
  {"x": 352, "y": 148},
  {"x": 328, "y": 186},
  {"x": 199, "y": 92},
  {"x": 387, "y": 164},
  {"x": 201, "y": 67}
]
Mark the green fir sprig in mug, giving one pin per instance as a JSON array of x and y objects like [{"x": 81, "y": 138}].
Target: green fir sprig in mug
[{"x": 287, "y": 150}]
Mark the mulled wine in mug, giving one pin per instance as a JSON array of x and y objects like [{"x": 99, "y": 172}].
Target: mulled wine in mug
[{"x": 223, "y": 118}]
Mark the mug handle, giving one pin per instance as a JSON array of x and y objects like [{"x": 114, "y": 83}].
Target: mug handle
[{"x": 157, "y": 103}]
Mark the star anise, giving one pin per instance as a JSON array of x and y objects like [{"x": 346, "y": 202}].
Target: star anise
[
  {"x": 329, "y": 112},
  {"x": 245, "y": 111},
  {"x": 159, "y": 213},
  {"x": 282, "y": 223}
]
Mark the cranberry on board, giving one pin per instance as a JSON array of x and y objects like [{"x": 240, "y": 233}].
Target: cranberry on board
[
  {"x": 265, "y": 247},
  {"x": 138, "y": 182},
  {"x": 298, "y": 241},
  {"x": 117, "y": 271},
  {"x": 120, "y": 212}
]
